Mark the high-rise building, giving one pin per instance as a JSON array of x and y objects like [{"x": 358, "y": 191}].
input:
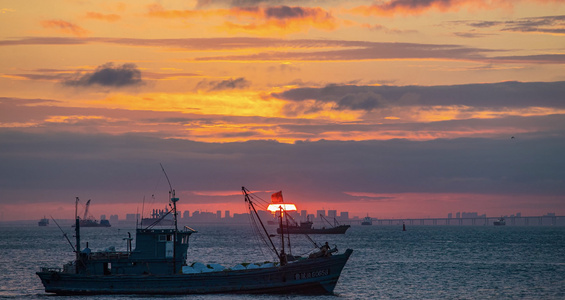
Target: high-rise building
[
  {"x": 132, "y": 217},
  {"x": 218, "y": 214},
  {"x": 332, "y": 213},
  {"x": 186, "y": 214},
  {"x": 227, "y": 214}
]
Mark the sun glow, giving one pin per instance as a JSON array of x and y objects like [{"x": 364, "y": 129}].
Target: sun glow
[{"x": 285, "y": 206}]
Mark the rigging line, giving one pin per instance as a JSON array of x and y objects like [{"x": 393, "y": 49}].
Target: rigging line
[
  {"x": 259, "y": 239},
  {"x": 258, "y": 234}
]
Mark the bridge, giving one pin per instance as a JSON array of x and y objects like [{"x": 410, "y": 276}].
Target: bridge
[{"x": 546, "y": 220}]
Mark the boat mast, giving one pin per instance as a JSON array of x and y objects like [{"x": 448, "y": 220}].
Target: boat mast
[
  {"x": 174, "y": 206},
  {"x": 77, "y": 234},
  {"x": 283, "y": 255}
]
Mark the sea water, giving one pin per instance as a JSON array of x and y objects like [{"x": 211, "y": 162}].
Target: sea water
[{"x": 424, "y": 262}]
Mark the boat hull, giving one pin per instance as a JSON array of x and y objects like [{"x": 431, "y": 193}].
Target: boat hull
[
  {"x": 307, "y": 276},
  {"x": 297, "y": 230}
]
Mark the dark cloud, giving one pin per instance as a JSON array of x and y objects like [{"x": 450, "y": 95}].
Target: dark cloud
[
  {"x": 545, "y": 24},
  {"x": 340, "y": 50},
  {"x": 228, "y": 84},
  {"x": 108, "y": 76},
  {"x": 494, "y": 95},
  {"x": 284, "y": 12},
  {"x": 110, "y": 168}
]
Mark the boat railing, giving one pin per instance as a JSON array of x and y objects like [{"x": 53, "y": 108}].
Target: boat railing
[{"x": 109, "y": 255}]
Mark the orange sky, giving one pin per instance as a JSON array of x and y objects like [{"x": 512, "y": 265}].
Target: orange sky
[{"x": 306, "y": 91}]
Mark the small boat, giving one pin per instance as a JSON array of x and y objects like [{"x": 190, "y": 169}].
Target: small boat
[
  {"x": 293, "y": 227},
  {"x": 158, "y": 266},
  {"x": 43, "y": 222},
  {"x": 500, "y": 222},
  {"x": 367, "y": 221}
]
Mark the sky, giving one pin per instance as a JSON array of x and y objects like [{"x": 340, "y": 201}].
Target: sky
[{"x": 392, "y": 108}]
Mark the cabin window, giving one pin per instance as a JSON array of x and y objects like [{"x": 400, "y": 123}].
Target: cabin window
[
  {"x": 184, "y": 239},
  {"x": 107, "y": 268},
  {"x": 165, "y": 238}
]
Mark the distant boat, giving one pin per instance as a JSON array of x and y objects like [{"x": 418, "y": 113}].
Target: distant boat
[
  {"x": 158, "y": 266},
  {"x": 306, "y": 228},
  {"x": 367, "y": 221},
  {"x": 87, "y": 221},
  {"x": 94, "y": 223},
  {"x": 43, "y": 222},
  {"x": 158, "y": 217},
  {"x": 500, "y": 222}
]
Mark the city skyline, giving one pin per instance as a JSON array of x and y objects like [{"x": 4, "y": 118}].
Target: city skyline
[{"x": 393, "y": 108}]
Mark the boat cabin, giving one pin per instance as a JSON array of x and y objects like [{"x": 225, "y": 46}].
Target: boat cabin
[{"x": 156, "y": 252}]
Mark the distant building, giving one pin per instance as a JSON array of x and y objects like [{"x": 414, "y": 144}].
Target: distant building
[
  {"x": 114, "y": 219},
  {"x": 344, "y": 216},
  {"x": 320, "y": 213},
  {"x": 458, "y": 215},
  {"x": 186, "y": 215},
  {"x": 132, "y": 217},
  {"x": 227, "y": 214},
  {"x": 450, "y": 215},
  {"x": 332, "y": 213},
  {"x": 102, "y": 217},
  {"x": 218, "y": 214},
  {"x": 303, "y": 214}
]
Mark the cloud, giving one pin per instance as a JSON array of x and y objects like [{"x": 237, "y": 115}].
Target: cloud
[
  {"x": 103, "y": 17},
  {"x": 494, "y": 95},
  {"x": 543, "y": 25},
  {"x": 261, "y": 20},
  {"x": 65, "y": 27},
  {"x": 308, "y": 49},
  {"x": 549, "y": 24},
  {"x": 228, "y": 84},
  {"x": 327, "y": 171},
  {"x": 108, "y": 76},
  {"x": 418, "y": 7}
]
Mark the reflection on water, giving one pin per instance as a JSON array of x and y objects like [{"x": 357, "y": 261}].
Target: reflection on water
[{"x": 424, "y": 262}]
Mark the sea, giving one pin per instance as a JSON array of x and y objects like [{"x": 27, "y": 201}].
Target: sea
[{"x": 423, "y": 262}]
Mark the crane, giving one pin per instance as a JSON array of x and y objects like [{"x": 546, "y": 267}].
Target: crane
[{"x": 86, "y": 209}]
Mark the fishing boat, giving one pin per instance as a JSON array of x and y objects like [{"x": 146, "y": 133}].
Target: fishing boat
[
  {"x": 367, "y": 221},
  {"x": 43, "y": 222},
  {"x": 500, "y": 222},
  {"x": 293, "y": 227},
  {"x": 158, "y": 265}
]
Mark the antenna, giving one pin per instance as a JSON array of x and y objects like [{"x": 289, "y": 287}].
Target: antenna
[
  {"x": 170, "y": 186},
  {"x": 64, "y": 234}
]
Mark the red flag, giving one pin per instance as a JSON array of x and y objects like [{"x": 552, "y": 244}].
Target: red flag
[{"x": 277, "y": 197}]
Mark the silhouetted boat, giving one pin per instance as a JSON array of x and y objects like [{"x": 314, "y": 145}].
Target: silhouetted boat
[
  {"x": 307, "y": 228},
  {"x": 43, "y": 222},
  {"x": 88, "y": 221},
  {"x": 500, "y": 222},
  {"x": 157, "y": 265},
  {"x": 367, "y": 221},
  {"x": 94, "y": 223}
]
